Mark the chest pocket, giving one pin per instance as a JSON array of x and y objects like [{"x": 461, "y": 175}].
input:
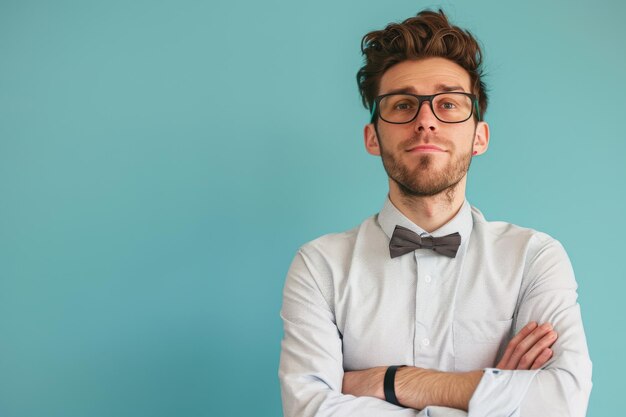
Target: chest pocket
[{"x": 478, "y": 342}]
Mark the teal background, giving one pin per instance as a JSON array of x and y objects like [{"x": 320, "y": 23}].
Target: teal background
[{"x": 161, "y": 162}]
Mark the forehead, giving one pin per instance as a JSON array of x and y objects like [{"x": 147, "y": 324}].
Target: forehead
[{"x": 424, "y": 76}]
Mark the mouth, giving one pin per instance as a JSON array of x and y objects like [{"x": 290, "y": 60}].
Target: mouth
[{"x": 426, "y": 148}]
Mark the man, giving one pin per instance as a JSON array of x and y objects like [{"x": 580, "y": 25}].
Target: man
[{"x": 428, "y": 306}]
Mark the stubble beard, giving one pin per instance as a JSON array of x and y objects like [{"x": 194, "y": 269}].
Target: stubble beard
[{"x": 423, "y": 180}]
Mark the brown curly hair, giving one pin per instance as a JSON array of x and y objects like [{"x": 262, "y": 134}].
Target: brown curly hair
[{"x": 428, "y": 34}]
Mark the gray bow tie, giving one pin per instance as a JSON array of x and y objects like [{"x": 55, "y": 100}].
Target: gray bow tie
[{"x": 404, "y": 241}]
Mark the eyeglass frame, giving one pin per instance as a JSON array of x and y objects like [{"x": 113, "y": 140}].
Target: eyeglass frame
[{"x": 420, "y": 101}]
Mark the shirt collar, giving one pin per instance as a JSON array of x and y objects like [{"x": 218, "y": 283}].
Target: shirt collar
[{"x": 462, "y": 222}]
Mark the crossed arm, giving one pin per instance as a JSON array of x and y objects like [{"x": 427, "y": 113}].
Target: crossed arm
[
  {"x": 417, "y": 387},
  {"x": 313, "y": 380}
]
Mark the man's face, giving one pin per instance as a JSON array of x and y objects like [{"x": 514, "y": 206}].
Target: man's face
[{"x": 404, "y": 148}]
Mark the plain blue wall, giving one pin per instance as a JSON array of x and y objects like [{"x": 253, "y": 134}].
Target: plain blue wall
[{"x": 162, "y": 161}]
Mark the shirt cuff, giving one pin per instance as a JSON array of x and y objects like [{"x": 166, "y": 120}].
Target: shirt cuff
[
  {"x": 436, "y": 411},
  {"x": 500, "y": 393}
]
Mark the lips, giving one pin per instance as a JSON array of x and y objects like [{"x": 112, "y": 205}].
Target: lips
[{"x": 426, "y": 148}]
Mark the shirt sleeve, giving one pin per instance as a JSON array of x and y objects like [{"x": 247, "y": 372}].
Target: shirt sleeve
[
  {"x": 562, "y": 387},
  {"x": 311, "y": 361}
]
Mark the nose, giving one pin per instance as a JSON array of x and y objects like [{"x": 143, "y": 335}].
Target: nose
[{"x": 425, "y": 119}]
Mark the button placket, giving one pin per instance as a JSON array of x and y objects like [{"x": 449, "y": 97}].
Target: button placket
[
  {"x": 424, "y": 306},
  {"x": 419, "y": 328}
]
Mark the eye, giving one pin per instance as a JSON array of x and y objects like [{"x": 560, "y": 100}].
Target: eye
[
  {"x": 403, "y": 105},
  {"x": 448, "y": 105}
]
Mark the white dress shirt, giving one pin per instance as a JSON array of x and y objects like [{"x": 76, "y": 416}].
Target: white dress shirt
[{"x": 347, "y": 305}]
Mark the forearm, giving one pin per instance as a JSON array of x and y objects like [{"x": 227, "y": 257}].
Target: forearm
[{"x": 418, "y": 388}]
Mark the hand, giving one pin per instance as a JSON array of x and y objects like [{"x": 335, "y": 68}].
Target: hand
[
  {"x": 530, "y": 348},
  {"x": 368, "y": 382}
]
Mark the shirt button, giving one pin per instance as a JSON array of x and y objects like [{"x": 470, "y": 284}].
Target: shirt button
[
  {"x": 425, "y": 342},
  {"x": 428, "y": 278}
]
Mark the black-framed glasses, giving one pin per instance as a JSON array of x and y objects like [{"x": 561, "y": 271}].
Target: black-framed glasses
[{"x": 400, "y": 108}]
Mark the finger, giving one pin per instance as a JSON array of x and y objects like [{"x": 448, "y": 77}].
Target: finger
[
  {"x": 543, "y": 357},
  {"x": 526, "y": 344},
  {"x": 526, "y": 330},
  {"x": 527, "y": 360}
]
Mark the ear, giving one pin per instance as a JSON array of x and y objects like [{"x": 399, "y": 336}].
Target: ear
[
  {"x": 481, "y": 138},
  {"x": 371, "y": 139}
]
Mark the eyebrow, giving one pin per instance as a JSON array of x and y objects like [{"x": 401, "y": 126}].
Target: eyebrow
[{"x": 441, "y": 88}]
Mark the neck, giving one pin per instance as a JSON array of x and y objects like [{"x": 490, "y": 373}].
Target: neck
[{"x": 429, "y": 212}]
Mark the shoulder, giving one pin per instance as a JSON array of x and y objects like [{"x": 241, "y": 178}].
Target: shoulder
[
  {"x": 323, "y": 261},
  {"x": 337, "y": 247},
  {"x": 537, "y": 255},
  {"x": 499, "y": 233}
]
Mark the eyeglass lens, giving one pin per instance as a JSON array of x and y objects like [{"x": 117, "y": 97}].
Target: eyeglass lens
[{"x": 448, "y": 107}]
